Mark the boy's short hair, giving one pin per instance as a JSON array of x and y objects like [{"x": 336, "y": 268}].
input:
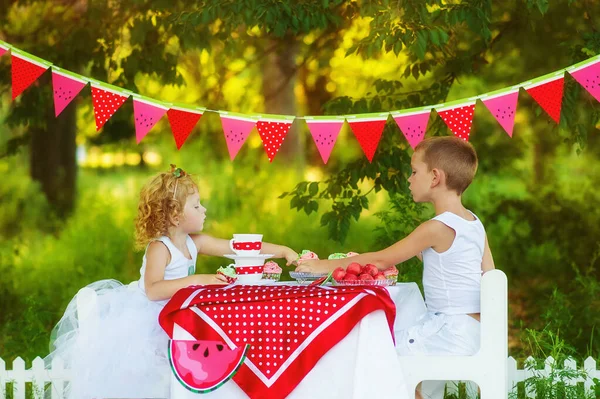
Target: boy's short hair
[{"x": 456, "y": 157}]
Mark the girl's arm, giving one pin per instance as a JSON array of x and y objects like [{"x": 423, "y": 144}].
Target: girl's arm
[
  {"x": 487, "y": 263},
  {"x": 157, "y": 288},
  {"x": 424, "y": 236},
  {"x": 208, "y": 245}
]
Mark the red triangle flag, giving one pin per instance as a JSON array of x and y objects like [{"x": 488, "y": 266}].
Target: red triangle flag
[
  {"x": 65, "y": 89},
  {"x": 549, "y": 96},
  {"x": 459, "y": 120},
  {"x": 105, "y": 103},
  {"x": 24, "y": 73},
  {"x": 589, "y": 77},
  {"x": 504, "y": 109},
  {"x": 272, "y": 133},
  {"x": 182, "y": 122},
  {"x": 368, "y": 133}
]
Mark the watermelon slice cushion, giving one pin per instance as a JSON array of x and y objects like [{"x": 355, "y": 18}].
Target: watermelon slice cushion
[{"x": 203, "y": 366}]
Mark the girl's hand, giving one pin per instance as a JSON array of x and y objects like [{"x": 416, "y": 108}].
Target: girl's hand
[
  {"x": 290, "y": 255},
  {"x": 314, "y": 266}
]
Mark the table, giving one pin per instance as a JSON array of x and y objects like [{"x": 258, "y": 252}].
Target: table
[{"x": 363, "y": 364}]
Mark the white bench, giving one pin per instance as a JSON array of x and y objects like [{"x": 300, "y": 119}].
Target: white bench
[{"x": 487, "y": 368}]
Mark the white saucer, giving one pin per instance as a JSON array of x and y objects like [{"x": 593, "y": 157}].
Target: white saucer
[
  {"x": 259, "y": 256},
  {"x": 257, "y": 282}
]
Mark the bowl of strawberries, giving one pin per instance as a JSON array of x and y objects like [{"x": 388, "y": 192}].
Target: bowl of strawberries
[{"x": 369, "y": 274}]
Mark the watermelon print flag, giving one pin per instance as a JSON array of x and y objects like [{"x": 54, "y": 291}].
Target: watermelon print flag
[
  {"x": 272, "y": 133},
  {"x": 459, "y": 119},
  {"x": 413, "y": 126},
  {"x": 548, "y": 94},
  {"x": 65, "y": 88},
  {"x": 182, "y": 121},
  {"x": 24, "y": 73},
  {"x": 146, "y": 115},
  {"x": 368, "y": 132},
  {"x": 504, "y": 109},
  {"x": 589, "y": 77},
  {"x": 106, "y": 102},
  {"x": 324, "y": 132},
  {"x": 3, "y": 50},
  {"x": 236, "y": 130}
]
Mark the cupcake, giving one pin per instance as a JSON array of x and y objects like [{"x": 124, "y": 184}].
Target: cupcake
[
  {"x": 228, "y": 272},
  {"x": 337, "y": 255},
  {"x": 306, "y": 255},
  {"x": 391, "y": 275},
  {"x": 271, "y": 271}
]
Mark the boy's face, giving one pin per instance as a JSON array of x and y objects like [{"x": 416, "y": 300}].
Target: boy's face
[
  {"x": 193, "y": 214},
  {"x": 420, "y": 178}
]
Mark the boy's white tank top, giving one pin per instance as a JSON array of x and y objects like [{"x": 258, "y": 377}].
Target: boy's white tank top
[
  {"x": 452, "y": 279},
  {"x": 179, "y": 266}
]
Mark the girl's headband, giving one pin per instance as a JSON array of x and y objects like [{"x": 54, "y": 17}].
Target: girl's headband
[{"x": 177, "y": 172}]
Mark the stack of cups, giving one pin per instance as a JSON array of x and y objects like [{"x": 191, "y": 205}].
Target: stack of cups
[{"x": 248, "y": 260}]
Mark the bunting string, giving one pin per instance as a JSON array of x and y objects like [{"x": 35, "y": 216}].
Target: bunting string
[{"x": 458, "y": 115}]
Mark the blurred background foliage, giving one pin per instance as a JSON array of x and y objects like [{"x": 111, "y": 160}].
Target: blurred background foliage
[{"x": 68, "y": 194}]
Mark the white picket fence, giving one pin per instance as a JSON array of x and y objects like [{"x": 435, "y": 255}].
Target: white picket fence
[{"x": 36, "y": 377}]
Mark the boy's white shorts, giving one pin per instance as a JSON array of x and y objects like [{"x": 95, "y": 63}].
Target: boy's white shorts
[{"x": 439, "y": 334}]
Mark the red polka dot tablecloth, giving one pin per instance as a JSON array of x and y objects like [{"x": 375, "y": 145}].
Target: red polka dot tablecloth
[{"x": 289, "y": 328}]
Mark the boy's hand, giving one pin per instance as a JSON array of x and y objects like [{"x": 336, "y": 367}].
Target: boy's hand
[
  {"x": 314, "y": 266},
  {"x": 289, "y": 254}
]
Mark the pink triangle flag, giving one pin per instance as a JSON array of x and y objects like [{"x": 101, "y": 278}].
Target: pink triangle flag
[
  {"x": 65, "y": 89},
  {"x": 24, "y": 73},
  {"x": 146, "y": 115},
  {"x": 504, "y": 109},
  {"x": 236, "y": 130},
  {"x": 324, "y": 132},
  {"x": 3, "y": 50},
  {"x": 413, "y": 126},
  {"x": 589, "y": 77},
  {"x": 459, "y": 119}
]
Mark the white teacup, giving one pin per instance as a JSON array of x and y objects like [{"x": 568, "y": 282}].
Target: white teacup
[{"x": 246, "y": 244}]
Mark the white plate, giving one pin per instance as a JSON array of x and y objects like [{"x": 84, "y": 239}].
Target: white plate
[
  {"x": 258, "y": 282},
  {"x": 259, "y": 256}
]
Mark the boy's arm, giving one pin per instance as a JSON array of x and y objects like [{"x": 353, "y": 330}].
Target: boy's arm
[
  {"x": 424, "y": 236},
  {"x": 487, "y": 262}
]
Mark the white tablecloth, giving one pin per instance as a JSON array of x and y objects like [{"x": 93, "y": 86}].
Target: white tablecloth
[{"x": 364, "y": 365}]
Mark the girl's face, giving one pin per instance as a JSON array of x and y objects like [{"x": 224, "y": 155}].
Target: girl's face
[{"x": 193, "y": 214}]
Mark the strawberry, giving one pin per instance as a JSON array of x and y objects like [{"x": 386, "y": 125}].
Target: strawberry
[
  {"x": 353, "y": 268},
  {"x": 380, "y": 276},
  {"x": 338, "y": 274},
  {"x": 365, "y": 277},
  {"x": 350, "y": 277},
  {"x": 371, "y": 269}
]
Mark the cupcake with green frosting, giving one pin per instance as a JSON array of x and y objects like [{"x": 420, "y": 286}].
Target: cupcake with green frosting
[
  {"x": 228, "y": 272},
  {"x": 271, "y": 271}
]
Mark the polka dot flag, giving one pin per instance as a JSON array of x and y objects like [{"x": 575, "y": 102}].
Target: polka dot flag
[
  {"x": 272, "y": 134},
  {"x": 549, "y": 96},
  {"x": 182, "y": 123},
  {"x": 459, "y": 120},
  {"x": 589, "y": 77},
  {"x": 105, "y": 103},
  {"x": 368, "y": 133},
  {"x": 24, "y": 73}
]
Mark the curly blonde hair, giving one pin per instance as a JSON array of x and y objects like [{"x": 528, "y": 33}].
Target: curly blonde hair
[{"x": 161, "y": 199}]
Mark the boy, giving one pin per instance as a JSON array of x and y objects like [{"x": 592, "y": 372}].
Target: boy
[{"x": 453, "y": 247}]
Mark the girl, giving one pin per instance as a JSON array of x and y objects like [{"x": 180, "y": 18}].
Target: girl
[{"x": 124, "y": 355}]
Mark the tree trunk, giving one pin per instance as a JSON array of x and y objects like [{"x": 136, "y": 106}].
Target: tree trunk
[
  {"x": 53, "y": 161},
  {"x": 279, "y": 80}
]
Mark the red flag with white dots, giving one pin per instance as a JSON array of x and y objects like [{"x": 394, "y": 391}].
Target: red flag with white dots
[
  {"x": 106, "y": 102},
  {"x": 459, "y": 119},
  {"x": 273, "y": 132}
]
